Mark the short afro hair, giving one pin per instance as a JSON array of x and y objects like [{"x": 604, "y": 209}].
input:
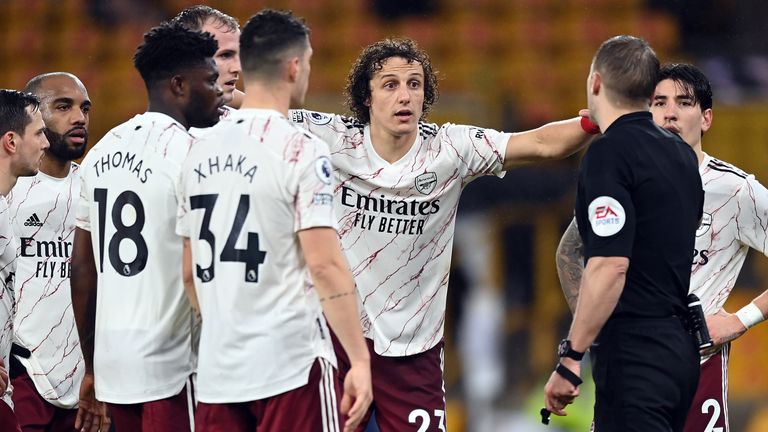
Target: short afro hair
[
  {"x": 371, "y": 60},
  {"x": 170, "y": 48}
]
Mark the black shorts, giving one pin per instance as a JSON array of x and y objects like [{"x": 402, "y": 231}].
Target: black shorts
[{"x": 646, "y": 372}]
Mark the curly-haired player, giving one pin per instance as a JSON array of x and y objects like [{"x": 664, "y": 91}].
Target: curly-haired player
[{"x": 398, "y": 185}]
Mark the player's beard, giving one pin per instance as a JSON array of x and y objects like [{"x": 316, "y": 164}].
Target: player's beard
[{"x": 59, "y": 149}]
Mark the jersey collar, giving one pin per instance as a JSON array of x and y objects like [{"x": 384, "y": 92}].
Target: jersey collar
[
  {"x": 260, "y": 112},
  {"x": 161, "y": 118},
  {"x": 704, "y": 162},
  {"x": 378, "y": 160}
]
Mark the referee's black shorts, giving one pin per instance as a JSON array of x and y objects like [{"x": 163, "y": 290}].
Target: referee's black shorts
[{"x": 646, "y": 372}]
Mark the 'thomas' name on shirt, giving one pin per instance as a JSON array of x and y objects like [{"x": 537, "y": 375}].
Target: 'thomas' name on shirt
[
  {"x": 246, "y": 189},
  {"x": 128, "y": 203},
  {"x": 735, "y": 219},
  {"x": 396, "y": 220},
  {"x": 43, "y": 217}
]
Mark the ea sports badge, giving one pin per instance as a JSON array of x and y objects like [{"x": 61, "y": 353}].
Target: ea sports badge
[{"x": 606, "y": 215}]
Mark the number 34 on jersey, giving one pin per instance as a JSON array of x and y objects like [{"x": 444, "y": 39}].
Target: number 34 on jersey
[{"x": 128, "y": 218}]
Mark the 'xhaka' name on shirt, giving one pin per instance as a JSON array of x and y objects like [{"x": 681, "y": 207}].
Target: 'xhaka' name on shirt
[{"x": 229, "y": 165}]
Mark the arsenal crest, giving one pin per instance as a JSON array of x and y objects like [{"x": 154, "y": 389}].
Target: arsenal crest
[
  {"x": 706, "y": 222},
  {"x": 425, "y": 183}
]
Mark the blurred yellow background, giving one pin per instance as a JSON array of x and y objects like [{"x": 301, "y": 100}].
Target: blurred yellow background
[{"x": 503, "y": 64}]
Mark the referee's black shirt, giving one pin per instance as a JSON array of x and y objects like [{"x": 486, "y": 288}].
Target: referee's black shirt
[{"x": 640, "y": 196}]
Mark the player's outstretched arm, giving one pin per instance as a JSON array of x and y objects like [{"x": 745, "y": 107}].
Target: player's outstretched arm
[
  {"x": 187, "y": 276},
  {"x": 570, "y": 267},
  {"x": 336, "y": 288},
  {"x": 92, "y": 415},
  {"x": 556, "y": 140},
  {"x": 602, "y": 285}
]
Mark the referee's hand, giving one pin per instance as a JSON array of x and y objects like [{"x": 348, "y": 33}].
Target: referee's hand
[{"x": 559, "y": 392}]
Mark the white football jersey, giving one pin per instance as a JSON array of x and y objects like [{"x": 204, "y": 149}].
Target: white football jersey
[
  {"x": 128, "y": 203},
  {"x": 396, "y": 220},
  {"x": 8, "y": 245},
  {"x": 247, "y": 188},
  {"x": 42, "y": 212},
  {"x": 735, "y": 219}
]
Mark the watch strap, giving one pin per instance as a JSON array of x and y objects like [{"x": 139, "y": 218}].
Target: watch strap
[
  {"x": 568, "y": 375},
  {"x": 569, "y": 352}
]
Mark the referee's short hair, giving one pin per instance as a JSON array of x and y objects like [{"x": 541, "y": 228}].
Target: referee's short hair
[
  {"x": 629, "y": 68},
  {"x": 13, "y": 110},
  {"x": 171, "y": 48},
  {"x": 270, "y": 38},
  {"x": 692, "y": 81}
]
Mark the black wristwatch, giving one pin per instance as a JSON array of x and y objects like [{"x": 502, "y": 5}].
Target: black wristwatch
[{"x": 564, "y": 350}]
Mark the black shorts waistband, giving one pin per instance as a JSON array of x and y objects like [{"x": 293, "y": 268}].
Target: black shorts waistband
[{"x": 639, "y": 319}]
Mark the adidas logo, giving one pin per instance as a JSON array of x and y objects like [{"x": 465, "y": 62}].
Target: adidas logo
[{"x": 33, "y": 221}]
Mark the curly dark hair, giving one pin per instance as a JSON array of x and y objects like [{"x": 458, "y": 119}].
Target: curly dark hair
[
  {"x": 170, "y": 48},
  {"x": 371, "y": 60}
]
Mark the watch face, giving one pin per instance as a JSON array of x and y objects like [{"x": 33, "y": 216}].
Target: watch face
[{"x": 563, "y": 347}]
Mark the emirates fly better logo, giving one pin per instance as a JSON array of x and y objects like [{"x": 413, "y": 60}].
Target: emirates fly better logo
[{"x": 606, "y": 215}]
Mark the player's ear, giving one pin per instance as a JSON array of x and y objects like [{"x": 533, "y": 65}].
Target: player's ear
[
  {"x": 9, "y": 141},
  {"x": 293, "y": 68},
  {"x": 706, "y": 120},
  {"x": 178, "y": 85},
  {"x": 596, "y": 82}
]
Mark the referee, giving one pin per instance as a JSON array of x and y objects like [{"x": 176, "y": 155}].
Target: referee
[{"x": 639, "y": 201}]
